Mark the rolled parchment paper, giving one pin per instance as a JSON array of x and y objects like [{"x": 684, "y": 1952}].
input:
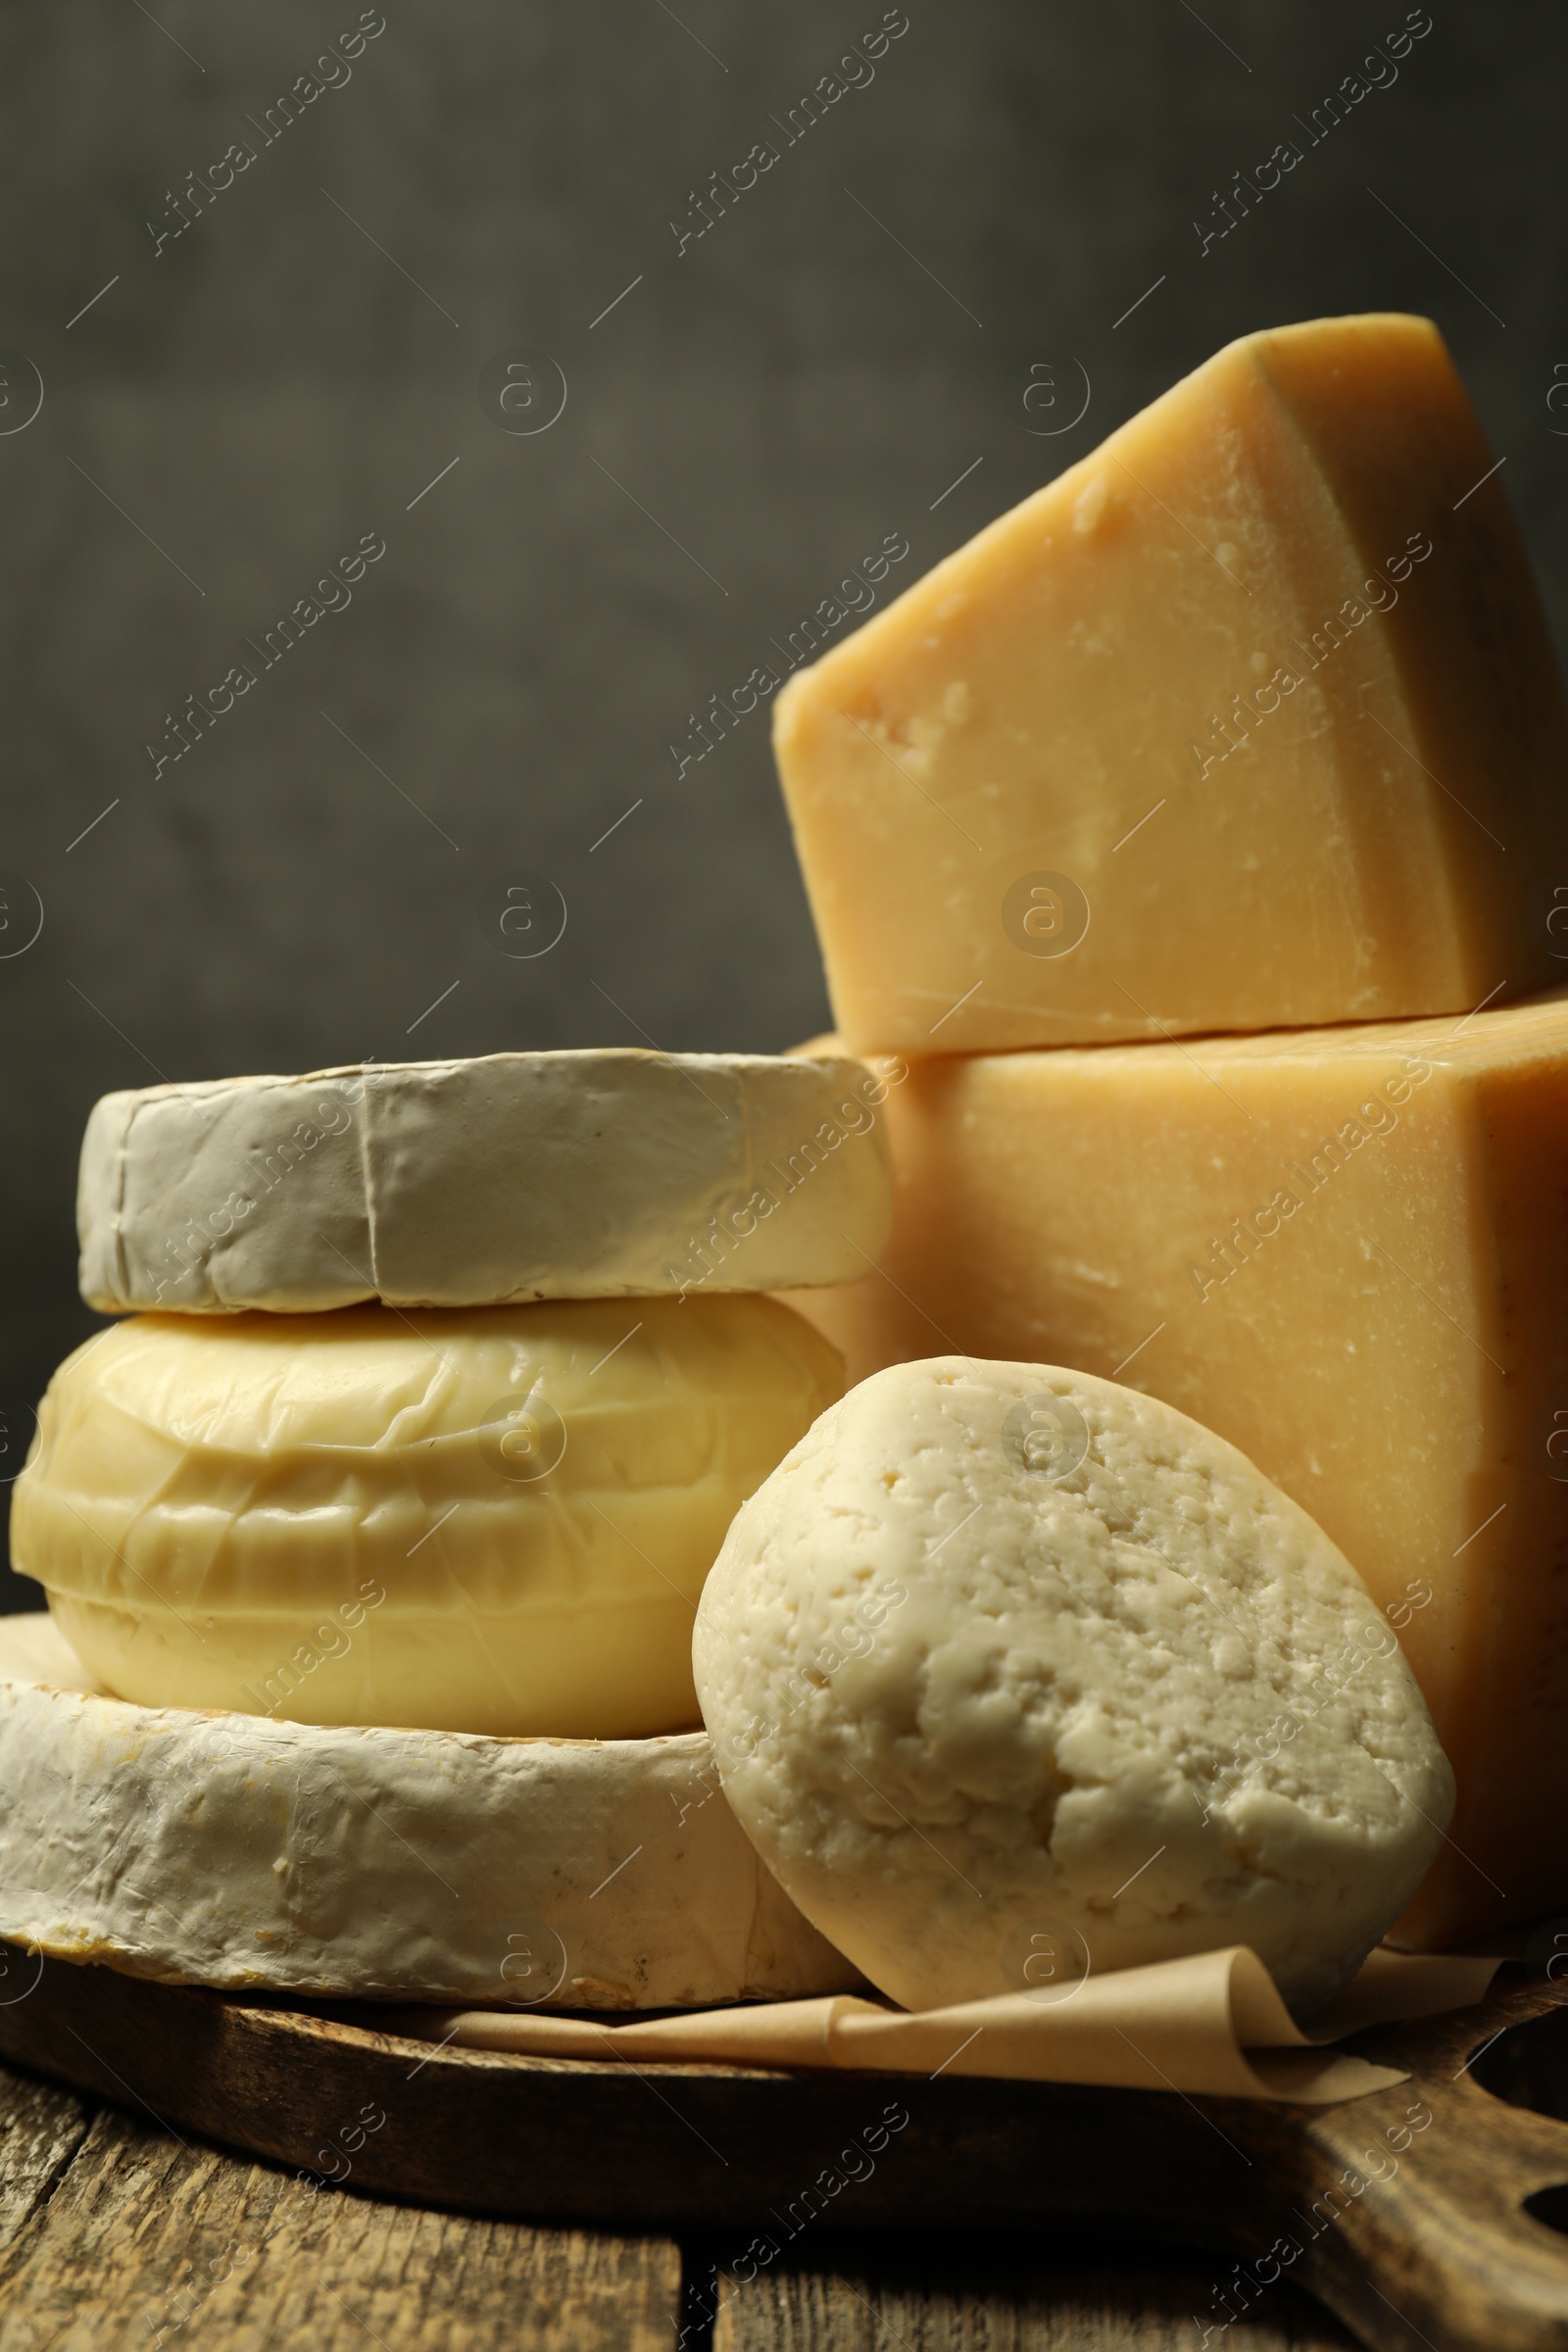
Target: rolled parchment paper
[{"x": 1212, "y": 2023}]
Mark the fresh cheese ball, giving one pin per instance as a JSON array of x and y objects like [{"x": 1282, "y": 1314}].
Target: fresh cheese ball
[
  {"x": 1014, "y": 1675},
  {"x": 599, "y": 1174},
  {"x": 493, "y": 1521}
]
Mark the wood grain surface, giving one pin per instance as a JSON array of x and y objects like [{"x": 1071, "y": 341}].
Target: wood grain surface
[
  {"x": 118, "y": 2232},
  {"x": 115, "y": 2233},
  {"x": 991, "y": 2298},
  {"x": 388, "y": 2189},
  {"x": 42, "y": 2127}
]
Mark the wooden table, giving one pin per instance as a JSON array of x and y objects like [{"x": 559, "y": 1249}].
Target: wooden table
[{"x": 113, "y": 2233}]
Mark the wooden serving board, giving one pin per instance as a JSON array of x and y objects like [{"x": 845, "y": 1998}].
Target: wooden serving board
[{"x": 1431, "y": 2214}]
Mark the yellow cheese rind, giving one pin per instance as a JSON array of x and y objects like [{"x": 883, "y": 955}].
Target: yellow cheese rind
[
  {"x": 1344, "y": 1251},
  {"x": 1198, "y": 737},
  {"x": 214, "y": 1849},
  {"x": 492, "y": 1521}
]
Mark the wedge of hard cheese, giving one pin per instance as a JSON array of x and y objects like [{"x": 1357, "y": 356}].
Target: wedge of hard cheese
[
  {"x": 1249, "y": 720},
  {"x": 215, "y": 1849},
  {"x": 1346, "y": 1251},
  {"x": 517, "y": 1176}
]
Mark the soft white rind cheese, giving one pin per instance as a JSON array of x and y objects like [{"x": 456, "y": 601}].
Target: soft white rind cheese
[
  {"x": 518, "y": 1176},
  {"x": 214, "y": 1849},
  {"x": 495, "y": 1519},
  {"x": 1014, "y": 1675}
]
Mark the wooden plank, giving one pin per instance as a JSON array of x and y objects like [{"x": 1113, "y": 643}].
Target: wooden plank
[
  {"x": 42, "y": 2127},
  {"x": 148, "y": 2236},
  {"x": 1055, "y": 2298},
  {"x": 1420, "y": 2212}
]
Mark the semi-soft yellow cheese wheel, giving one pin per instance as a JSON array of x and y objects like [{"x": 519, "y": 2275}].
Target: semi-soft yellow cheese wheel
[{"x": 492, "y": 1520}]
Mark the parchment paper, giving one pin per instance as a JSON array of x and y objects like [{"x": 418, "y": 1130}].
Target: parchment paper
[{"x": 1214, "y": 2023}]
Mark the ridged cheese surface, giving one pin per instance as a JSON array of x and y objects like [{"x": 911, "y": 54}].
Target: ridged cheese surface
[{"x": 493, "y": 1521}]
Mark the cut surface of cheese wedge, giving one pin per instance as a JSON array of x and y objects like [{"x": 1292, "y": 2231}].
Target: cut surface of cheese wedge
[
  {"x": 1345, "y": 1251},
  {"x": 496, "y": 1520},
  {"x": 1249, "y": 720},
  {"x": 518, "y": 1176},
  {"x": 214, "y": 1849},
  {"x": 1014, "y": 1676}
]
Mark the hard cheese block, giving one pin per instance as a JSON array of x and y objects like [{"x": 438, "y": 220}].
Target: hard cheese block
[
  {"x": 517, "y": 1176},
  {"x": 496, "y": 1520},
  {"x": 1344, "y": 1251},
  {"x": 214, "y": 1849},
  {"x": 1249, "y": 720}
]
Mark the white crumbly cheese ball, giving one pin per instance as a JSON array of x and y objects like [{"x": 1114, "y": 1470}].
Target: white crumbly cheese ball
[
  {"x": 517, "y": 1176},
  {"x": 1014, "y": 1675}
]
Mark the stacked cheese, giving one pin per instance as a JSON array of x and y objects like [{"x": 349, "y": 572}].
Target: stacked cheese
[
  {"x": 448, "y": 1382},
  {"x": 1247, "y": 724}
]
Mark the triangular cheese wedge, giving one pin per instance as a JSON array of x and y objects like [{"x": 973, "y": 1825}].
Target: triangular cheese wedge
[{"x": 1250, "y": 721}]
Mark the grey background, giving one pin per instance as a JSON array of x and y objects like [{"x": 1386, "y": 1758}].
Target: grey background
[{"x": 770, "y": 401}]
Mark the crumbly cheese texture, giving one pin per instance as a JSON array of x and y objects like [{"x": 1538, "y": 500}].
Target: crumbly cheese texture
[
  {"x": 1344, "y": 1249},
  {"x": 213, "y": 1849},
  {"x": 1112, "y": 1698},
  {"x": 1249, "y": 720},
  {"x": 495, "y": 1521},
  {"x": 517, "y": 1176}
]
